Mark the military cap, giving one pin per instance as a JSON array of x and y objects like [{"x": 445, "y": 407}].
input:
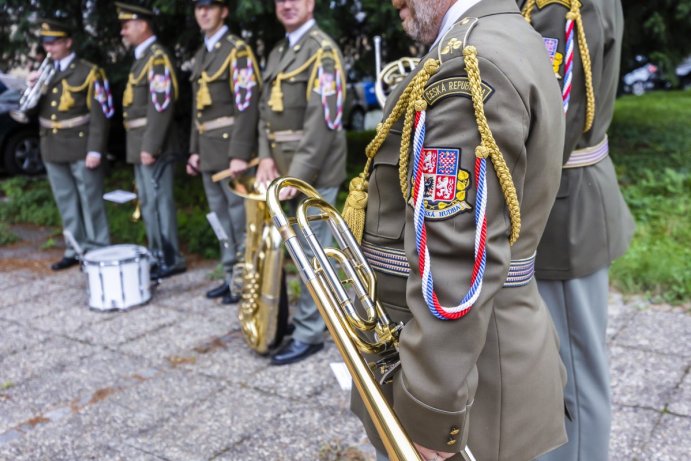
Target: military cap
[
  {"x": 53, "y": 29},
  {"x": 209, "y": 2},
  {"x": 128, "y": 11}
]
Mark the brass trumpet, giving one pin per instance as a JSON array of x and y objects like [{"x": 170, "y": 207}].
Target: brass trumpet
[
  {"x": 31, "y": 95},
  {"x": 352, "y": 332}
]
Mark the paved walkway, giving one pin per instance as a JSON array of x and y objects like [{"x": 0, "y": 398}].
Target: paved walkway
[{"x": 173, "y": 380}]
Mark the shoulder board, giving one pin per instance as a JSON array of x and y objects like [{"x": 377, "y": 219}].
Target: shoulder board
[
  {"x": 323, "y": 40},
  {"x": 452, "y": 43}
]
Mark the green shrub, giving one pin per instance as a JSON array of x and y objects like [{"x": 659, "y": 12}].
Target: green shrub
[{"x": 6, "y": 235}]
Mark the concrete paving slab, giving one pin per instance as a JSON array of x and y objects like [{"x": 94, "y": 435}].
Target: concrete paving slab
[
  {"x": 680, "y": 402},
  {"x": 670, "y": 440},
  {"x": 45, "y": 304},
  {"x": 644, "y": 379},
  {"x": 214, "y": 426},
  {"x": 196, "y": 303},
  {"x": 176, "y": 342},
  {"x": 664, "y": 332},
  {"x": 192, "y": 281},
  {"x": 632, "y": 427},
  {"x": 16, "y": 338},
  {"x": 121, "y": 327},
  {"x": 306, "y": 433},
  {"x": 13, "y": 278},
  {"x": 17, "y": 293},
  {"x": 620, "y": 314}
]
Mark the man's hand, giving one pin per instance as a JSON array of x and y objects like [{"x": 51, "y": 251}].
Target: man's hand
[
  {"x": 236, "y": 167},
  {"x": 192, "y": 167},
  {"x": 146, "y": 158},
  {"x": 92, "y": 161},
  {"x": 32, "y": 77},
  {"x": 432, "y": 455},
  {"x": 266, "y": 172}
]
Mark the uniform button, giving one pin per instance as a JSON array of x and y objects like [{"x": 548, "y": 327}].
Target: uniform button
[
  {"x": 225, "y": 135},
  {"x": 454, "y": 430},
  {"x": 55, "y": 130},
  {"x": 55, "y": 90},
  {"x": 53, "y": 103},
  {"x": 217, "y": 45},
  {"x": 81, "y": 134},
  {"x": 273, "y": 145},
  {"x": 199, "y": 115},
  {"x": 53, "y": 117},
  {"x": 124, "y": 115},
  {"x": 297, "y": 48},
  {"x": 451, "y": 441}
]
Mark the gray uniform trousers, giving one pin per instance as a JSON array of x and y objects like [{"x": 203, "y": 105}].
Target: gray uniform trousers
[
  {"x": 78, "y": 192},
  {"x": 309, "y": 325},
  {"x": 230, "y": 210},
  {"x": 155, "y": 188},
  {"x": 579, "y": 310}
]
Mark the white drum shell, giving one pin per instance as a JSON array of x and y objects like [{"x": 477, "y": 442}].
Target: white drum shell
[{"x": 117, "y": 276}]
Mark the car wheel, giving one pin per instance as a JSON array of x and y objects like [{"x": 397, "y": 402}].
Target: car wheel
[
  {"x": 357, "y": 120},
  {"x": 23, "y": 154},
  {"x": 638, "y": 88}
]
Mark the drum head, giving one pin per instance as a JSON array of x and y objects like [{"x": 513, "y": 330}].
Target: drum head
[{"x": 115, "y": 253}]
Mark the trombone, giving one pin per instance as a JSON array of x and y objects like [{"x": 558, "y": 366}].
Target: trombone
[{"x": 352, "y": 333}]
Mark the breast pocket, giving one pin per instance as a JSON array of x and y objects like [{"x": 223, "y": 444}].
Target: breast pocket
[
  {"x": 295, "y": 92},
  {"x": 386, "y": 206}
]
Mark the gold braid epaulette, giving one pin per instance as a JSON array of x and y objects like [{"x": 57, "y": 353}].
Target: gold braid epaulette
[
  {"x": 574, "y": 14},
  {"x": 66, "y": 99},
  {"x": 408, "y": 103}
]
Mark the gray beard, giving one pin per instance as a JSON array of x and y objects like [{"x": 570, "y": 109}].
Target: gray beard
[{"x": 423, "y": 27}]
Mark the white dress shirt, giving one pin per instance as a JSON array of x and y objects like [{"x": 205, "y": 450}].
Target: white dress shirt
[
  {"x": 296, "y": 35},
  {"x": 141, "y": 48},
  {"x": 211, "y": 41}
]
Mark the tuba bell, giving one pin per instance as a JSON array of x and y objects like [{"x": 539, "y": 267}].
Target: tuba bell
[
  {"x": 392, "y": 73},
  {"x": 259, "y": 276},
  {"x": 31, "y": 95}
]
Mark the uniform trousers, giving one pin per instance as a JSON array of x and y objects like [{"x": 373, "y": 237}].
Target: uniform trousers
[
  {"x": 309, "y": 325},
  {"x": 155, "y": 188},
  {"x": 579, "y": 310},
  {"x": 78, "y": 193},
  {"x": 230, "y": 211}
]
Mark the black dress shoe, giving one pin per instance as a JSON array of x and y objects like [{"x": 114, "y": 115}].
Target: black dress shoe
[
  {"x": 230, "y": 298},
  {"x": 167, "y": 271},
  {"x": 290, "y": 329},
  {"x": 219, "y": 291},
  {"x": 294, "y": 351},
  {"x": 64, "y": 263}
]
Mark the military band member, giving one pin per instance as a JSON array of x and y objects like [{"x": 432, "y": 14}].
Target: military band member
[
  {"x": 74, "y": 118},
  {"x": 465, "y": 167},
  {"x": 225, "y": 88},
  {"x": 590, "y": 224},
  {"x": 148, "y": 104},
  {"x": 301, "y": 135}
]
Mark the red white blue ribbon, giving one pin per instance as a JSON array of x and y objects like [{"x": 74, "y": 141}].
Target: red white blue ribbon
[
  {"x": 240, "y": 102},
  {"x": 337, "y": 122},
  {"x": 155, "y": 84},
  {"x": 439, "y": 311},
  {"x": 104, "y": 97},
  {"x": 568, "y": 64}
]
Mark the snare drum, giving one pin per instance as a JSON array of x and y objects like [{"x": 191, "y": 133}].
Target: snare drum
[{"x": 117, "y": 276}]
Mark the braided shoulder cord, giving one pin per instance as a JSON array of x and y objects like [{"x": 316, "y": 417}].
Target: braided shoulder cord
[
  {"x": 575, "y": 15},
  {"x": 488, "y": 146}
]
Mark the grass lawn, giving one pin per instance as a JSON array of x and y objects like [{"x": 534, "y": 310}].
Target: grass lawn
[{"x": 650, "y": 141}]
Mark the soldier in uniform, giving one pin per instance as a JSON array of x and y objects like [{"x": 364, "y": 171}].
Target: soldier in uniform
[
  {"x": 590, "y": 224},
  {"x": 74, "y": 118},
  {"x": 301, "y": 135},
  {"x": 148, "y": 104},
  {"x": 225, "y": 85},
  {"x": 479, "y": 362}
]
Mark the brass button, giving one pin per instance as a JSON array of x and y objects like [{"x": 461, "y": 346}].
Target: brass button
[
  {"x": 217, "y": 45},
  {"x": 81, "y": 134},
  {"x": 225, "y": 135},
  {"x": 124, "y": 115},
  {"x": 451, "y": 441},
  {"x": 53, "y": 117},
  {"x": 55, "y": 90},
  {"x": 55, "y": 130},
  {"x": 297, "y": 48},
  {"x": 273, "y": 145},
  {"x": 454, "y": 430},
  {"x": 53, "y": 103},
  {"x": 199, "y": 115}
]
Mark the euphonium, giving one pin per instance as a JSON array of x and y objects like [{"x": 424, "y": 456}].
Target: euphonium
[
  {"x": 30, "y": 96},
  {"x": 352, "y": 332},
  {"x": 391, "y": 74},
  {"x": 263, "y": 308}
]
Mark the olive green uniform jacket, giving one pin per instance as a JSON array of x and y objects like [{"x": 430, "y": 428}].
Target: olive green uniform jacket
[
  {"x": 317, "y": 153},
  {"x": 492, "y": 379},
  {"x": 230, "y": 77},
  {"x": 590, "y": 225},
  {"x": 150, "y": 94},
  {"x": 79, "y": 92}
]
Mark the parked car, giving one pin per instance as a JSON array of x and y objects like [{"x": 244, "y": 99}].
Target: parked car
[
  {"x": 645, "y": 76},
  {"x": 684, "y": 74},
  {"x": 360, "y": 99},
  {"x": 19, "y": 143}
]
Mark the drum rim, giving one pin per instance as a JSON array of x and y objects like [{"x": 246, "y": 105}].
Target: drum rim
[{"x": 140, "y": 253}]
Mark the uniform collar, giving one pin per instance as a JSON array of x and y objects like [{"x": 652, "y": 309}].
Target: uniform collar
[
  {"x": 452, "y": 15},
  {"x": 209, "y": 42},
  {"x": 295, "y": 36},
  {"x": 141, "y": 48},
  {"x": 64, "y": 62}
]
